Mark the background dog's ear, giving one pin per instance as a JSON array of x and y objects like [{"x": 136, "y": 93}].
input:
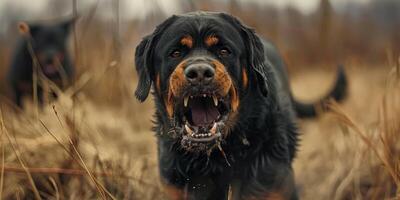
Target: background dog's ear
[
  {"x": 144, "y": 59},
  {"x": 26, "y": 29},
  {"x": 255, "y": 55}
]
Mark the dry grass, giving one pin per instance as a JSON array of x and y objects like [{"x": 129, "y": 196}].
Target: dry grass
[
  {"x": 87, "y": 149},
  {"x": 95, "y": 142},
  {"x": 354, "y": 152}
]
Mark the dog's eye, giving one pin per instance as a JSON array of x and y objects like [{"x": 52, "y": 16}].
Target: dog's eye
[
  {"x": 224, "y": 52},
  {"x": 176, "y": 54}
]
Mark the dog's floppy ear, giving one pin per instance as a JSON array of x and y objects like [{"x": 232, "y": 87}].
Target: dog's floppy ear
[
  {"x": 255, "y": 54},
  {"x": 144, "y": 59}
]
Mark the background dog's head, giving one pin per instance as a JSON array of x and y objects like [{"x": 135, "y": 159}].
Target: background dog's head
[
  {"x": 48, "y": 42},
  {"x": 201, "y": 64}
]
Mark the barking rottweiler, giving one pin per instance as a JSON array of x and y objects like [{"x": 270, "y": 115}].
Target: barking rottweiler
[
  {"x": 41, "y": 51},
  {"x": 225, "y": 116}
]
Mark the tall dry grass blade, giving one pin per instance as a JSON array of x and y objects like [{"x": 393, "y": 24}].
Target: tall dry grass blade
[
  {"x": 342, "y": 116},
  {"x": 100, "y": 188},
  {"x": 20, "y": 160},
  {"x": 2, "y": 160},
  {"x": 398, "y": 67},
  {"x": 2, "y": 171},
  {"x": 88, "y": 19},
  {"x": 53, "y": 182},
  {"x": 58, "y": 117},
  {"x": 36, "y": 67},
  {"x": 386, "y": 138},
  {"x": 72, "y": 155},
  {"x": 75, "y": 15},
  {"x": 63, "y": 74}
]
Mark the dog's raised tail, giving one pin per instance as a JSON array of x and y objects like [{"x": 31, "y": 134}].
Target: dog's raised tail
[{"x": 338, "y": 93}]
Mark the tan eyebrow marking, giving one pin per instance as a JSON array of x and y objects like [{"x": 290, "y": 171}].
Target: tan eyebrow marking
[
  {"x": 211, "y": 40},
  {"x": 187, "y": 41}
]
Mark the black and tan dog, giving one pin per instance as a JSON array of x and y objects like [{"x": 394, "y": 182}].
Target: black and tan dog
[
  {"x": 225, "y": 116},
  {"x": 41, "y": 50}
]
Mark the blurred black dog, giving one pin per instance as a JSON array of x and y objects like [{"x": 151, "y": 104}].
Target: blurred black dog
[
  {"x": 225, "y": 115},
  {"x": 41, "y": 51}
]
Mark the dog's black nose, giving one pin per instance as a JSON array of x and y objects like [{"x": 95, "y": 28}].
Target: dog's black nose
[{"x": 199, "y": 73}]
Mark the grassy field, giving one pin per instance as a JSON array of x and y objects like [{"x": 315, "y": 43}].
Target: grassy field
[
  {"x": 84, "y": 148},
  {"x": 95, "y": 141}
]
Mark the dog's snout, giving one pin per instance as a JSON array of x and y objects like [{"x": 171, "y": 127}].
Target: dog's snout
[{"x": 199, "y": 73}]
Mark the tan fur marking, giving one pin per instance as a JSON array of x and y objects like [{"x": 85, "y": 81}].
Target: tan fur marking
[
  {"x": 23, "y": 28},
  {"x": 176, "y": 82},
  {"x": 211, "y": 40},
  {"x": 158, "y": 83},
  {"x": 245, "y": 78},
  {"x": 269, "y": 196},
  {"x": 222, "y": 78},
  {"x": 275, "y": 196},
  {"x": 174, "y": 193},
  {"x": 226, "y": 86},
  {"x": 187, "y": 41},
  {"x": 234, "y": 99}
]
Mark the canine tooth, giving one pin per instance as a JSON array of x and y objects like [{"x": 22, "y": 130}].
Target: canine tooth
[
  {"x": 215, "y": 100},
  {"x": 188, "y": 130},
  {"x": 213, "y": 130},
  {"x": 185, "y": 101}
]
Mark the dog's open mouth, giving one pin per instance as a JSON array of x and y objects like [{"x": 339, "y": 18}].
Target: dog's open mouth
[{"x": 204, "y": 118}]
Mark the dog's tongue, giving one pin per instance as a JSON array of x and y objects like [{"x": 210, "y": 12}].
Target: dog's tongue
[{"x": 203, "y": 112}]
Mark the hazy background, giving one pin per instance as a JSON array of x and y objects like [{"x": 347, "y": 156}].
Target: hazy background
[{"x": 95, "y": 140}]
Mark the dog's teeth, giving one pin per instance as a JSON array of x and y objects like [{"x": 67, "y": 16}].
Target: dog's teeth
[
  {"x": 215, "y": 100},
  {"x": 204, "y": 95},
  {"x": 213, "y": 130},
  {"x": 188, "y": 130},
  {"x": 185, "y": 101},
  {"x": 192, "y": 135}
]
